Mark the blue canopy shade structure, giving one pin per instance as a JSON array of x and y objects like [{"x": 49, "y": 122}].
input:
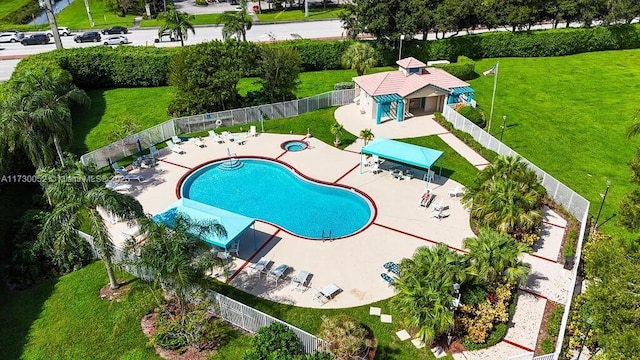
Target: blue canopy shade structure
[
  {"x": 415, "y": 155},
  {"x": 235, "y": 224}
]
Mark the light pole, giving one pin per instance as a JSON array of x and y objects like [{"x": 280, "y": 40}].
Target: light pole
[
  {"x": 400, "y": 52},
  {"x": 584, "y": 339},
  {"x": 504, "y": 120},
  {"x": 455, "y": 303},
  {"x": 48, "y": 9},
  {"x": 604, "y": 197}
]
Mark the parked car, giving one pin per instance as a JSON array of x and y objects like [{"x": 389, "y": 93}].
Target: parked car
[
  {"x": 35, "y": 39},
  {"x": 115, "y": 30},
  {"x": 11, "y": 37},
  {"x": 62, "y": 30},
  {"x": 165, "y": 36},
  {"x": 88, "y": 36},
  {"x": 116, "y": 40}
]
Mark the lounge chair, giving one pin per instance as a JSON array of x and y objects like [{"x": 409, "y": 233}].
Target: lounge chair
[
  {"x": 115, "y": 186},
  {"x": 455, "y": 191},
  {"x": 426, "y": 198},
  {"x": 299, "y": 282},
  {"x": 198, "y": 142},
  {"x": 175, "y": 148},
  {"x": 439, "y": 205},
  {"x": 153, "y": 153},
  {"x": 176, "y": 139},
  {"x": 252, "y": 131},
  {"x": 392, "y": 267},
  {"x": 227, "y": 136},
  {"x": 277, "y": 272},
  {"x": 261, "y": 265},
  {"x": 125, "y": 175},
  {"x": 437, "y": 213},
  {"x": 215, "y": 137},
  {"x": 387, "y": 278},
  {"x": 325, "y": 294},
  {"x": 237, "y": 139}
]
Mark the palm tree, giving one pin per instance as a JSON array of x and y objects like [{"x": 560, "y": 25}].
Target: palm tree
[
  {"x": 366, "y": 135},
  {"x": 495, "y": 258},
  {"x": 177, "y": 256},
  {"x": 336, "y": 130},
  {"x": 19, "y": 130},
  {"x": 77, "y": 196},
  {"x": 635, "y": 128},
  {"x": 236, "y": 23},
  {"x": 359, "y": 57},
  {"x": 179, "y": 23},
  {"x": 50, "y": 95}
]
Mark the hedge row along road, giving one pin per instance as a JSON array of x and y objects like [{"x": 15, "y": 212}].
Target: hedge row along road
[{"x": 144, "y": 37}]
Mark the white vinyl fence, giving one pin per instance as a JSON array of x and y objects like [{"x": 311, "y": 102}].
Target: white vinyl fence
[
  {"x": 560, "y": 193},
  {"x": 190, "y": 124},
  {"x": 231, "y": 311}
]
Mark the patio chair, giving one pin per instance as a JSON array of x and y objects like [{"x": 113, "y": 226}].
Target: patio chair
[
  {"x": 375, "y": 168},
  {"x": 125, "y": 175},
  {"x": 397, "y": 174},
  {"x": 299, "y": 282},
  {"x": 439, "y": 205},
  {"x": 176, "y": 139},
  {"x": 175, "y": 148},
  {"x": 237, "y": 139},
  {"x": 455, "y": 191},
  {"x": 153, "y": 153},
  {"x": 387, "y": 278},
  {"x": 227, "y": 136},
  {"x": 198, "y": 142},
  {"x": 252, "y": 131},
  {"x": 376, "y": 159},
  {"x": 277, "y": 272},
  {"x": 234, "y": 248},
  {"x": 437, "y": 213},
  {"x": 325, "y": 294},
  {"x": 215, "y": 137},
  {"x": 261, "y": 265}
]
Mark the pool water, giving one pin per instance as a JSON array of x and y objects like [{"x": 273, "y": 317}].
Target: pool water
[
  {"x": 294, "y": 145},
  {"x": 271, "y": 192}
]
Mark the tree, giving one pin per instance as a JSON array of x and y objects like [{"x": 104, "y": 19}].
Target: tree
[
  {"x": 275, "y": 341},
  {"x": 50, "y": 95},
  {"x": 280, "y": 68},
  {"x": 359, "y": 57},
  {"x": 77, "y": 193},
  {"x": 366, "y": 135},
  {"x": 336, "y": 130},
  {"x": 177, "y": 256},
  {"x": 179, "y": 23},
  {"x": 494, "y": 258},
  {"x": 236, "y": 23}
]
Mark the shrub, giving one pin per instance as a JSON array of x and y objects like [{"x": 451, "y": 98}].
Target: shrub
[
  {"x": 344, "y": 85},
  {"x": 274, "y": 341},
  {"x": 345, "y": 337},
  {"x": 474, "y": 296},
  {"x": 317, "y": 54},
  {"x": 548, "y": 345},
  {"x": 478, "y": 320},
  {"x": 464, "y": 68},
  {"x": 201, "y": 2},
  {"x": 555, "y": 320},
  {"x": 474, "y": 114},
  {"x": 570, "y": 243},
  {"x": 466, "y": 138}
]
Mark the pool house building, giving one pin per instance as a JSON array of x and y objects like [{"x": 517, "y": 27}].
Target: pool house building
[{"x": 414, "y": 89}]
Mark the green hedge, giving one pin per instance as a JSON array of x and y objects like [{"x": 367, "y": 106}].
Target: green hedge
[
  {"x": 317, "y": 54},
  {"x": 464, "y": 68},
  {"x": 540, "y": 43},
  {"x": 103, "y": 67}
]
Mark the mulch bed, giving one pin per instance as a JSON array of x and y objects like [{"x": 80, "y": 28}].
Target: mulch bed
[
  {"x": 542, "y": 334},
  {"x": 147, "y": 323}
]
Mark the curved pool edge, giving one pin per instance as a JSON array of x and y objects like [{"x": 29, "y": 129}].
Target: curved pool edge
[{"x": 374, "y": 212}]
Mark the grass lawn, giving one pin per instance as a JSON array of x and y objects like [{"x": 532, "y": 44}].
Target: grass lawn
[
  {"x": 111, "y": 108},
  {"x": 569, "y": 115},
  {"x": 298, "y": 14},
  {"x": 201, "y": 19},
  {"x": 97, "y": 126},
  {"x": 75, "y": 16},
  {"x": 9, "y": 6}
]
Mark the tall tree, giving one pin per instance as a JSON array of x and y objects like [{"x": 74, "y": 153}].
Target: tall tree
[
  {"x": 179, "y": 23},
  {"x": 50, "y": 96},
  {"x": 236, "y": 23},
  {"x": 495, "y": 258},
  {"x": 77, "y": 193},
  {"x": 359, "y": 57},
  {"x": 177, "y": 256},
  {"x": 280, "y": 68}
]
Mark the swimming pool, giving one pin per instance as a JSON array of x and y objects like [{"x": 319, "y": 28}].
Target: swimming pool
[
  {"x": 294, "y": 145},
  {"x": 271, "y": 192}
]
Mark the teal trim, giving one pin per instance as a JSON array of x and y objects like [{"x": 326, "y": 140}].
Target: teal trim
[
  {"x": 389, "y": 98},
  {"x": 400, "y": 112},
  {"x": 378, "y": 114}
]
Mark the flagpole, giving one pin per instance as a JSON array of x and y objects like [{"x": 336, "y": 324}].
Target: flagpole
[{"x": 493, "y": 97}]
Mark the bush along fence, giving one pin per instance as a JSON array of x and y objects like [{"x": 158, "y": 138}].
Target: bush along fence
[
  {"x": 197, "y": 123},
  {"x": 229, "y": 310},
  {"x": 573, "y": 202}
]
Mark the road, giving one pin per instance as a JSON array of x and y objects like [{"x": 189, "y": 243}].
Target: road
[{"x": 144, "y": 37}]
